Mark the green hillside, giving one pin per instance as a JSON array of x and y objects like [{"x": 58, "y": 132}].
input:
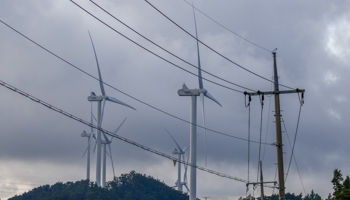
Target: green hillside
[{"x": 132, "y": 186}]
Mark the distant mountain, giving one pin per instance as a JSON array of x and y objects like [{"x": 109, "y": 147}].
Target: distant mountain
[{"x": 132, "y": 186}]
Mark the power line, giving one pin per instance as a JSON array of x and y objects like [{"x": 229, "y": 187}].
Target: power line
[
  {"x": 115, "y": 135},
  {"x": 227, "y": 28},
  {"x": 152, "y": 51},
  {"x": 164, "y": 48},
  {"x": 214, "y": 49},
  {"x": 114, "y": 88}
]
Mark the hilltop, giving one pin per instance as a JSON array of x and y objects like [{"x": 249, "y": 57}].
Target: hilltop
[{"x": 132, "y": 186}]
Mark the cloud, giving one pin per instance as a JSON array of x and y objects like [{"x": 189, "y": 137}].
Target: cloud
[{"x": 311, "y": 55}]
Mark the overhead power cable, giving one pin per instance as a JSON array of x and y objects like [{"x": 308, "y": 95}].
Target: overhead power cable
[
  {"x": 152, "y": 51},
  {"x": 104, "y": 10},
  {"x": 114, "y": 88},
  {"x": 214, "y": 49},
  {"x": 115, "y": 135},
  {"x": 227, "y": 28}
]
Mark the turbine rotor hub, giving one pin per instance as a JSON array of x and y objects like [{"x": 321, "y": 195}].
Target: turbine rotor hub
[{"x": 203, "y": 91}]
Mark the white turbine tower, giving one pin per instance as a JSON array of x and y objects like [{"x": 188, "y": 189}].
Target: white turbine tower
[
  {"x": 180, "y": 152},
  {"x": 193, "y": 129},
  {"x": 99, "y": 100}
]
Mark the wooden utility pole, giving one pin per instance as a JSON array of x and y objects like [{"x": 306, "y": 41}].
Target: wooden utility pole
[{"x": 279, "y": 143}]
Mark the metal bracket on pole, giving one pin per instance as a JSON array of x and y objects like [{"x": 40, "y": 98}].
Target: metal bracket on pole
[{"x": 278, "y": 145}]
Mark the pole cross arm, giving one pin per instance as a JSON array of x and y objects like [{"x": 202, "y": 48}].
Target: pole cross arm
[
  {"x": 257, "y": 183},
  {"x": 275, "y": 92}
]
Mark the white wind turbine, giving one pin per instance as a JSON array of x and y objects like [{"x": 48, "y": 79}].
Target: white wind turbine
[
  {"x": 193, "y": 129},
  {"x": 89, "y": 137},
  {"x": 99, "y": 100},
  {"x": 105, "y": 142},
  {"x": 180, "y": 152}
]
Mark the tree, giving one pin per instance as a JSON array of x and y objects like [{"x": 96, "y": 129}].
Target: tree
[
  {"x": 312, "y": 196},
  {"x": 341, "y": 187}
]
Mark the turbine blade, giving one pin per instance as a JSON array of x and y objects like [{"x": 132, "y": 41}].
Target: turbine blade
[
  {"x": 92, "y": 121},
  {"x": 119, "y": 102},
  {"x": 173, "y": 139},
  {"x": 87, "y": 146},
  {"x": 205, "y": 130},
  {"x": 110, "y": 151},
  {"x": 104, "y": 135},
  {"x": 185, "y": 174},
  {"x": 98, "y": 67},
  {"x": 95, "y": 145},
  {"x": 199, "y": 60},
  {"x": 212, "y": 98},
  {"x": 185, "y": 149},
  {"x": 102, "y": 112},
  {"x": 116, "y": 130},
  {"x": 188, "y": 190},
  {"x": 93, "y": 116}
]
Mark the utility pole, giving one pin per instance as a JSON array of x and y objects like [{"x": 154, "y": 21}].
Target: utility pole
[{"x": 279, "y": 143}]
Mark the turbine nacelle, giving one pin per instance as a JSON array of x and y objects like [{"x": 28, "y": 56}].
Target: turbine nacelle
[
  {"x": 106, "y": 142},
  {"x": 188, "y": 92},
  {"x": 93, "y": 97},
  {"x": 204, "y": 91},
  {"x": 177, "y": 152},
  {"x": 85, "y": 134}
]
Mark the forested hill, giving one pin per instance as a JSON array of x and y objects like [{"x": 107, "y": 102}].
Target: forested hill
[{"x": 132, "y": 186}]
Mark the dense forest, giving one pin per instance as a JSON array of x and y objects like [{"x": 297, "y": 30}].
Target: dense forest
[{"x": 132, "y": 186}]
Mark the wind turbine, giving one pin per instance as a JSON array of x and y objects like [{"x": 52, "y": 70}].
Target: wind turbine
[
  {"x": 105, "y": 142},
  {"x": 193, "y": 129},
  {"x": 89, "y": 137},
  {"x": 180, "y": 152},
  {"x": 99, "y": 100}
]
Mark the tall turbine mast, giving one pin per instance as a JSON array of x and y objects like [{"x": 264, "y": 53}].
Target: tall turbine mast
[
  {"x": 279, "y": 142},
  {"x": 193, "y": 93}
]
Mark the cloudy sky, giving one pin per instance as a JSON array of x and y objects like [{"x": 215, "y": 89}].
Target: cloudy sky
[{"x": 39, "y": 146}]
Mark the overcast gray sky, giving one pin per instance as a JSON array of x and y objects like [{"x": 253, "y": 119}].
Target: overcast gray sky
[{"x": 39, "y": 146}]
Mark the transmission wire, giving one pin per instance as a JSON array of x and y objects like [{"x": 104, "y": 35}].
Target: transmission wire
[
  {"x": 114, "y": 88},
  {"x": 164, "y": 48},
  {"x": 228, "y": 28},
  {"x": 214, "y": 49}
]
